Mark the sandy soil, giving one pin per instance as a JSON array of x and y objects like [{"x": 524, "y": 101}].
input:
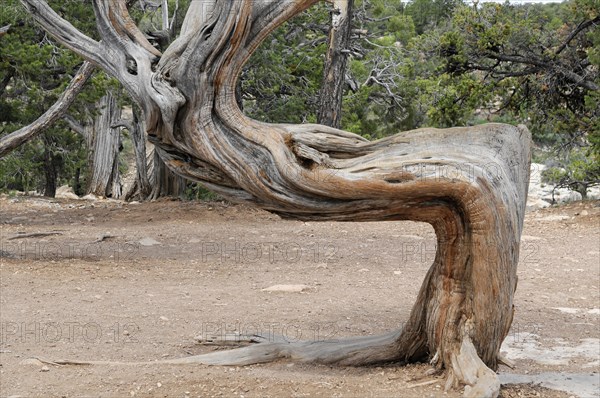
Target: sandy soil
[{"x": 139, "y": 282}]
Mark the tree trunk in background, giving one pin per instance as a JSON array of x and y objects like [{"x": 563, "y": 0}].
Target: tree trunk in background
[
  {"x": 104, "y": 142},
  {"x": 77, "y": 182},
  {"x": 50, "y": 169},
  {"x": 329, "y": 112},
  {"x": 164, "y": 182},
  {"x": 150, "y": 182},
  {"x": 138, "y": 136}
]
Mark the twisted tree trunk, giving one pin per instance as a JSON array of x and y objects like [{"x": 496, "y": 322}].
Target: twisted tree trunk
[{"x": 470, "y": 184}]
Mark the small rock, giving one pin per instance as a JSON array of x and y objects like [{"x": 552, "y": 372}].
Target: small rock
[
  {"x": 286, "y": 288},
  {"x": 32, "y": 361},
  {"x": 164, "y": 318},
  {"x": 536, "y": 203},
  {"x": 529, "y": 237},
  {"x": 65, "y": 192},
  {"x": 555, "y": 217},
  {"x": 571, "y": 197},
  {"x": 593, "y": 193},
  {"x": 147, "y": 241},
  {"x": 45, "y": 369}
]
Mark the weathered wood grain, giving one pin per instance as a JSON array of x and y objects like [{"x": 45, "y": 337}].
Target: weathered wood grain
[{"x": 470, "y": 183}]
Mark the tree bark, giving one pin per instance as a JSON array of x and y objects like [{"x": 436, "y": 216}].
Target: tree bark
[
  {"x": 470, "y": 183},
  {"x": 164, "y": 182},
  {"x": 104, "y": 142},
  {"x": 329, "y": 112},
  {"x": 142, "y": 187}
]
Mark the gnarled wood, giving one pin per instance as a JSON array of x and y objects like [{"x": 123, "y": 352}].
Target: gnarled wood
[{"x": 470, "y": 184}]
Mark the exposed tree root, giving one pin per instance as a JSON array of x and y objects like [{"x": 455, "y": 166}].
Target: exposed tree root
[
  {"x": 466, "y": 368},
  {"x": 353, "y": 351}
]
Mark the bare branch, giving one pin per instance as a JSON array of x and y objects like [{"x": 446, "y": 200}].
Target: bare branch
[
  {"x": 582, "y": 26},
  {"x": 66, "y": 33},
  {"x": 269, "y": 14},
  {"x": 116, "y": 26},
  {"x": 165, "y": 14},
  {"x": 542, "y": 64},
  {"x": 17, "y": 138},
  {"x": 4, "y": 30},
  {"x": 74, "y": 124},
  {"x": 174, "y": 18},
  {"x": 125, "y": 123}
]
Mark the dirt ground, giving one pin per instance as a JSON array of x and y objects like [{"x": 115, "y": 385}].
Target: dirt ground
[{"x": 106, "y": 280}]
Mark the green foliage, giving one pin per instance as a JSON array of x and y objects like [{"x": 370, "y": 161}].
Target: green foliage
[
  {"x": 423, "y": 63},
  {"x": 430, "y": 14},
  {"x": 281, "y": 81},
  {"x": 524, "y": 47},
  {"x": 402, "y": 27},
  {"x": 196, "y": 191},
  {"x": 578, "y": 171},
  {"x": 529, "y": 64},
  {"x": 34, "y": 71}
]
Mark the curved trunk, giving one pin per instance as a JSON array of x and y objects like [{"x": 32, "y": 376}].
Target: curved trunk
[{"x": 469, "y": 183}]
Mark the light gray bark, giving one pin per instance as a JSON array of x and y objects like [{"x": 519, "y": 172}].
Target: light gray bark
[
  {"x": 104, "y": 142},
  {"x": 142, "y": 187},
  {"x": 4, "y": 30},
  {"x": 164, "y": 182}
]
